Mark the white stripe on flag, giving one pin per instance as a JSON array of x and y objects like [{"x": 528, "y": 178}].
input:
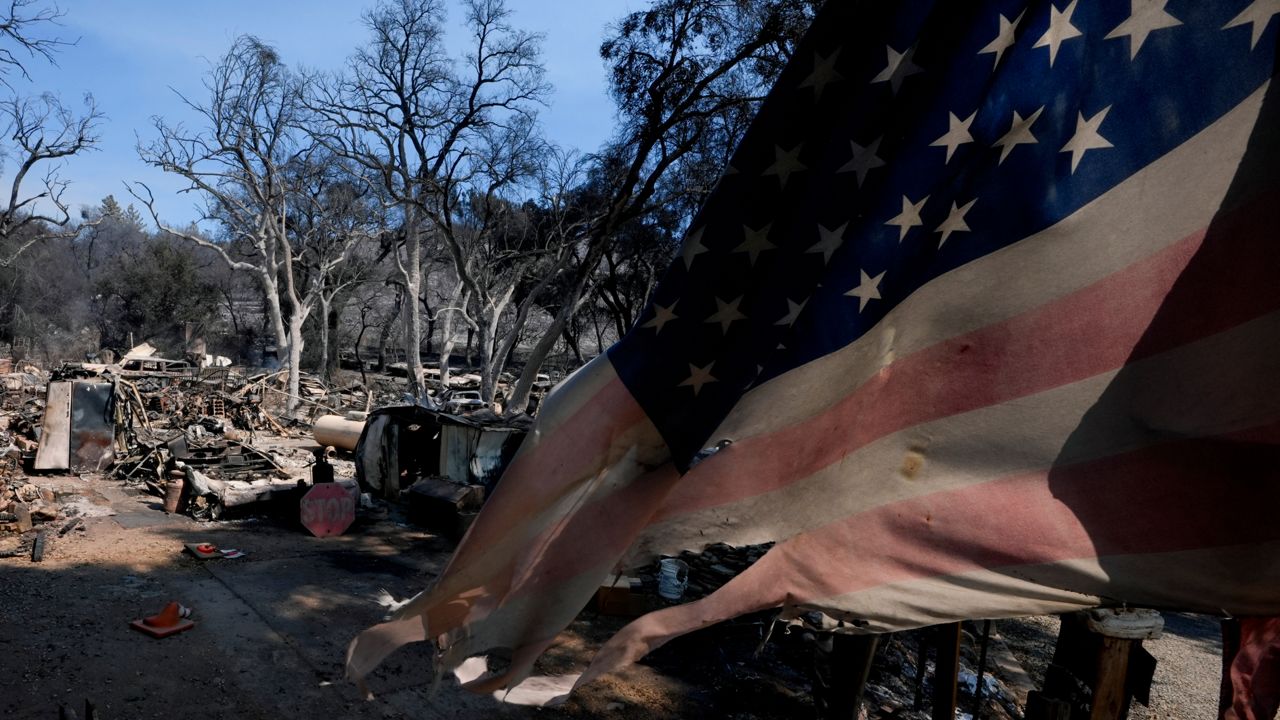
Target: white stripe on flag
[{"x": 1170, "y": 199}]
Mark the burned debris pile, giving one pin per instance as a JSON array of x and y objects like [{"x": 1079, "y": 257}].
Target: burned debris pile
[
  {"x": 31, "y": 512},
  {"x": 186, "y": 434},
  {"x": 204, "y": 477},
  {"x": 23, "y": 505},
  {"x": 209, "y": 439},
  {"x": 215, "y": 441}
]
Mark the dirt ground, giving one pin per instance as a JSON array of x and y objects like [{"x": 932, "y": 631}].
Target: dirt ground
[{"x": 272, "y": 627}]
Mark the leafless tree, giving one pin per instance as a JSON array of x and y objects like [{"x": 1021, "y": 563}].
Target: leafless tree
[
  {"x": 566, "y": 222},
  {"x": 685, "y": 75},
  {"x": 435, "y": 136},
  {"x": 40, "y": 132},
  {"x": 504, "y": 253},
  {"x": 344, "y": 211},
  {"x": 19, "y": 25},
  {"x": 263, "y": 182}
]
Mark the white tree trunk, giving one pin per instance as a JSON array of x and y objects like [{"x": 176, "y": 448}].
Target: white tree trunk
[
  {"x": 413, "y": 318},
  {"x": 518, "y": 402},
  {"x": 275, "y": 314},
  {"x": 295, "y": 362},
  {"x": 493, "y": 355},
  {"x": 488, "y": 363},
  {"x": 324, "y": 337},
  {"x": 446, "y": 349},
  {"x": 458, "y": 299}
]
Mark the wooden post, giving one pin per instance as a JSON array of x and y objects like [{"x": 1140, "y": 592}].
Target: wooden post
[
  {"x": 1098, "y": 665},
  {"x": 1109, "y": 701},
  {"x": 851, "y": 657},
  {"x": 922, "y": 663},
  {"x": 1119, "y": 631},
  {"x": 946, "y": 670},
  {"x": 980, "y": 684}
]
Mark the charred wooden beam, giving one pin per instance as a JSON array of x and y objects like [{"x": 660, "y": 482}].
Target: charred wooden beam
[
  {"x": 946, "y": 671},
  {"x": 37, "y": 548}
]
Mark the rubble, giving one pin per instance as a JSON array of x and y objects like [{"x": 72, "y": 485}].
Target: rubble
[
  {"x": 153, "y": 423},
  {"x": 218, "y": 473},
  {"x": 209, "y": 439},
  {"x": 403, "y": 444},
  {"x": 269, "y": 392},
  {"x": 32, "y": 515},
  {"x": 204, "y": 437},
  {"x": 709, "y": 569},
  {"x": 901, "y": 677}
]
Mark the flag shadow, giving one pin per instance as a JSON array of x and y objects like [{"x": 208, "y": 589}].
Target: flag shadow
[{"x": 1174, "y": 472}]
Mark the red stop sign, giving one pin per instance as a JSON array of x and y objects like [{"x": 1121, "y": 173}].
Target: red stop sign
[{"x": 328, "y": 509}]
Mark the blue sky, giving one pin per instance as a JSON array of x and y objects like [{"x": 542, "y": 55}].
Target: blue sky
[{"x": 132, "y": 55}]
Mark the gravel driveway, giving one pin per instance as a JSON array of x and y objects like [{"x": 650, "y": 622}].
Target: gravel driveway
[
  {"x": 1188, "y": 669},
  {"x": 1188, "y": 655}
]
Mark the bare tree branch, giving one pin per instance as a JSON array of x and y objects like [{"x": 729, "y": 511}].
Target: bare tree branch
[
  {"x": 447, "y": 145},
  {"x": 272, "y": 190},
  {"x": 18, "y": 25},
  {"x": 42, "y": 132}
]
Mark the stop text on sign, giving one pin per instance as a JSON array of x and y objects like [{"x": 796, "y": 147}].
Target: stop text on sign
[{"x": 327, "y": 509}]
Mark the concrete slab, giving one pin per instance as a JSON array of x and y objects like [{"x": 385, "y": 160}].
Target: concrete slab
[{"x": 135, "y": 510}]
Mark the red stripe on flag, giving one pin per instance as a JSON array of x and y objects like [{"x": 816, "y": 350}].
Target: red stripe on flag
[
  {"x": 1153, "y": 495},
  {"x": 1074, "y": 338},
  {"x": 480, "y": 572},
  {"x": 1189, "y": 494},
  {"x": 562, "y": 457},
  {"x": 1088, "y": 332},
  {"x": 1184, "y": 495}
]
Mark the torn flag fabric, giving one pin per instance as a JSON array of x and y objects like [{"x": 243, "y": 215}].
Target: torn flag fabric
[{"x": 982, "y": 321}]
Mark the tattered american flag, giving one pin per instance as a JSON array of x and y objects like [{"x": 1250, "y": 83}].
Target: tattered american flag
[{"x": 982, "y": 321}]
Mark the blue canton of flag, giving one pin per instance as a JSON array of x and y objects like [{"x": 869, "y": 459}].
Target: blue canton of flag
[{"x": 903, "y": 150}]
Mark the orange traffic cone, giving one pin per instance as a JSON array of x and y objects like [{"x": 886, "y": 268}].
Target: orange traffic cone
[{"x": 172, "y": 620}]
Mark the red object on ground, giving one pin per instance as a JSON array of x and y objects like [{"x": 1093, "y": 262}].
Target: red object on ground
[
  {"x": 328, "y": 509},
  {"x": 1250, "y": 668},
  {"x": 169, "y": 621},
  {"x": 204, "y": 551}
]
